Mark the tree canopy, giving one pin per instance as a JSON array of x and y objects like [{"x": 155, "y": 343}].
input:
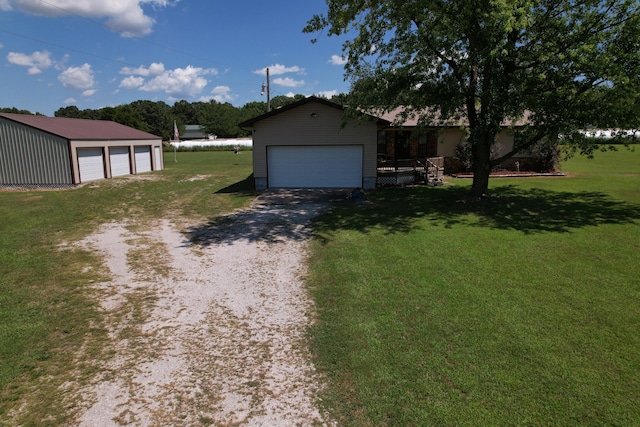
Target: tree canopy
[{"x": 563, "y": 65}]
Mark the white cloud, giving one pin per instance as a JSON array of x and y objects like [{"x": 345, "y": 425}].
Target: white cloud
[
  {"x": 62, "y": 63},
  {"x": 154, "y": 69},
  {"x": 338, "y": 60},
  {"x": 131, "y": 82},
  {"x": 37, "y": 61},
  {"x": 288, "y": 82},
  {"x": 124, "y": 16},
  {"x": 80, "y": 78},
  {"x": 89, "y": 92},
  {"x": 222, "y": 94},
  {"x": 70, "y": 101},
  {"x": 278, "y": 69},
  {"x": 180, "y": 82},
  {"x": 328, "y": 93}
]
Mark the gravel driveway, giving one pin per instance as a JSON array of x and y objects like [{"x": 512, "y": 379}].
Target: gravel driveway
[{"x": 208, "y": 323}]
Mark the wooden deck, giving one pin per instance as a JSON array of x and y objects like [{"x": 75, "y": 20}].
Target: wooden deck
[{"x": 409, "y": 171}]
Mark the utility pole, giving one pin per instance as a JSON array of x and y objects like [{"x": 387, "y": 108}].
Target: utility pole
[{"x": 268, "y": 88}]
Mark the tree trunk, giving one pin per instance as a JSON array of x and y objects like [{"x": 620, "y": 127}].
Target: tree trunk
[{"x": 481, "y": 157}]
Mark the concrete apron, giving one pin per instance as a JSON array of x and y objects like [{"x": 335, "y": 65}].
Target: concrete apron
[{"x": 298, "y": 196}]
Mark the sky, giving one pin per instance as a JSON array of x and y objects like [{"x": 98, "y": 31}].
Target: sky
[{"x": 101, "y": 53}]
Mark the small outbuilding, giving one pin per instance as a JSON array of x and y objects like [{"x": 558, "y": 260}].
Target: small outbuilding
[
  {"x": 309, "y": 144},
  {"x": 57, "y": 152}
]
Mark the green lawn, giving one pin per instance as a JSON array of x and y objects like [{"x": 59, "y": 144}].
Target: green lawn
[
  {"x": 522, "y": 310},
  {"x": 46, "y": 309}
]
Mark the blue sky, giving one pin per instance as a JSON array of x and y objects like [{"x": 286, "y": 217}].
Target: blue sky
[{"x": 98, "y": 53}]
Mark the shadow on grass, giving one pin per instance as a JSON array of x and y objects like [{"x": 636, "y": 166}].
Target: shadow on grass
[
  {"x": 399, "y": 210},
  {"x": 526, "y": 210},
  {"x": 244, "y": 186}
]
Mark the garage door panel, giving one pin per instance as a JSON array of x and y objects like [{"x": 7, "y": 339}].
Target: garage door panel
[
  {"x": 315, "y": 166},
  {"x": 119, "y": 159},
  {"x": 90, "y": 164},
  {"x": 143, "y": 159}
]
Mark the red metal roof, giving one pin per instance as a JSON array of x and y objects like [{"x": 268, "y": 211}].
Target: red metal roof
[{"x": 80, "y": 129}]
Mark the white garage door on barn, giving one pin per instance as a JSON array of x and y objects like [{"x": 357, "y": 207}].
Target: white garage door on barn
[
  {"x": 143, "y": 159},
  {"x": 119, "y": 159},
  {"x": 327, "y": 166},
  {"x": 90, "y": 164}
]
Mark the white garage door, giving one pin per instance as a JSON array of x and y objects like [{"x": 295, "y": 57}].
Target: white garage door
[
  {"x": 90, "y": 164},
  {"x": 326, "y": 166},
  {"x": 143, "y": 159},
  {"x": 119, "y": 158}
]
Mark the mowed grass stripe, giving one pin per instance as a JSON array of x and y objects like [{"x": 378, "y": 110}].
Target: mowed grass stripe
[{"x": 521, "y": 310}]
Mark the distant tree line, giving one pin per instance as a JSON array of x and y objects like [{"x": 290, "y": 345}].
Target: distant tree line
[
  {"x": 157, "y": 117},
  {"x": 14, "y": 110}
]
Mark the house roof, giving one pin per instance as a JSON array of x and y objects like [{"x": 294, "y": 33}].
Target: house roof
[
  {"x": 412, "y": 121},
  {"x": 79, "y": 129},
  {"x": 251, "y": 122},
  {"x": 386, "y": 118}
]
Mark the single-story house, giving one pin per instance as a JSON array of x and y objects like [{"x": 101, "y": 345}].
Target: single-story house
[
  {"x": 404, "y": 140},
  {"x": 307, "y": 144},
  {"x": 57, "y": 151}
]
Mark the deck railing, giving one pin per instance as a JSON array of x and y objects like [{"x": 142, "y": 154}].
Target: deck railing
[{"x": 406, "y": 171}]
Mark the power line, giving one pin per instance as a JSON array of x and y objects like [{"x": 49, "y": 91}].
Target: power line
[{"x": 68, "y": 48}]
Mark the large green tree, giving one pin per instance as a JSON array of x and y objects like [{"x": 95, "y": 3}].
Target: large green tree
[
  {"x": 156, "y": 116},
  {"x": 557, "y": 63},
  {"x": 220, "y": 119}
]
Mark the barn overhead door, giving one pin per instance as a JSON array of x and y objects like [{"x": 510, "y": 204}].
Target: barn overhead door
[
  {"x": 323, "y": 166},
  {"x": 119, "y": 159},
  {"x": 143, "y": 159},
  {"x": 90, "y": 164}
]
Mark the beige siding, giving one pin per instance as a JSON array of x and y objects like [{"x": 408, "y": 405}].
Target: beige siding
[
  {"x": 448, "y": 139},
  {"x": 312, "y": 124},
  {"x": 504, "y": 143},
  {"x": 131, "y": 144}
]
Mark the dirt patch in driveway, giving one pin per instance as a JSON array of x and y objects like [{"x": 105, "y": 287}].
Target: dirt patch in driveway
[{"x": 208, "y": 323}]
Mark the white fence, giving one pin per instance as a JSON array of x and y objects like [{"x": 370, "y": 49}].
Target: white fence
[
  {"x": 610, "y": 133},
  {"x": 218, "y": 142}
]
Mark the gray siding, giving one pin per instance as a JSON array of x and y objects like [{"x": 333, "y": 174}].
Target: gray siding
[{"x": 32, "y": 157}]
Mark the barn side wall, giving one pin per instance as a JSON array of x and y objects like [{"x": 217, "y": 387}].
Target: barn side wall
[{"x": 32, "y": 157}]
